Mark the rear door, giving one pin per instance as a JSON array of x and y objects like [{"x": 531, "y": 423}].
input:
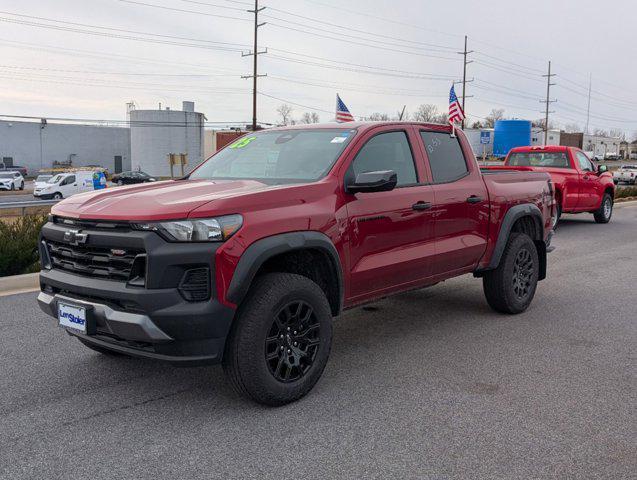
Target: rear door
[
  {"x": 461, "y": 203},
  {"x": 391, "y": 234}
]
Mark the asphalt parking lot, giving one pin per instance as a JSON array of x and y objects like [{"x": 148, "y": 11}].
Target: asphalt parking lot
[{"x": 426, "y": 385}]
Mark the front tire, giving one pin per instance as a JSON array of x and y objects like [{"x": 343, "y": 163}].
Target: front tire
[
  {"x": 22, "y": 186},
  {"x": 605, "y": 212},
  {"x": 558, "y": 215},
  {"x": 510, "y": 288},
  {"x": 57, "y": 196},
  {"x": 280, "y": 339}
]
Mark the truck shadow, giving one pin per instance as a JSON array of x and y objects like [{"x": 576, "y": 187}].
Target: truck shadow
[{"x": 405, "y": 328}]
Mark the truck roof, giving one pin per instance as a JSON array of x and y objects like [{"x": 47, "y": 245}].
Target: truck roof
[{"x": 361, "y": 126}]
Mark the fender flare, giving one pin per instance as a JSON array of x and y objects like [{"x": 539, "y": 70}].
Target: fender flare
[
  {"x": 262, "y": 250},
  {"x": 510, "y": 217}
]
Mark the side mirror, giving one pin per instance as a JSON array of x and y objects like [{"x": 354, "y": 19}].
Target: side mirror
[
  {"x": 601, "y": 169},
  {"x": 380, "y": 181}
]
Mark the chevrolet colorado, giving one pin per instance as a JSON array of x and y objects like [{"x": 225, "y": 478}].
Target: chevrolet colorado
[
  {"x": 247, "y": 259},
  {"x": 580, "y": 186}
]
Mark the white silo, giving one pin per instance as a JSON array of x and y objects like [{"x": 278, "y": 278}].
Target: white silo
[{"x": 155, "y": 134}]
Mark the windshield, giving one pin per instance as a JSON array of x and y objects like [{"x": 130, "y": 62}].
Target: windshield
[
  {"x": 6, "y": 175},
  {"x": 55, "y": 179},
  {"x": 42, "y": 178},
  {"x": 539, "y": 159},
  {"x": 277, "y": 157}
]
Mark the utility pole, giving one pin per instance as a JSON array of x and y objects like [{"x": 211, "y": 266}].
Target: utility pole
[
  {"x": 588, "y": 109},
  {"x": 466, "y": 62},
  {"x": 255, "y": 52},
  {"x": 548, "y": 102}
]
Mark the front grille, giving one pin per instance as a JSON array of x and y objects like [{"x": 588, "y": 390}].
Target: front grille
[
  {"x": 93, "y": 224},
  {"x": 101, "y": 262}
]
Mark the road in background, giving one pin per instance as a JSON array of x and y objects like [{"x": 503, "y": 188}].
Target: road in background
[{"x": 430, "y": 384}]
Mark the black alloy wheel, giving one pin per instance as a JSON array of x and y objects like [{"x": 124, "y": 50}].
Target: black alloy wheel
[
  {"x": 292, "y": 342},
  {"x": 522, "y": 274}
]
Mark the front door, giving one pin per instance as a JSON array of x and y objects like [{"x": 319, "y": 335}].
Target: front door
[
  {"x": 590, "y": 196},
  {"x": 390, "y": 233}
]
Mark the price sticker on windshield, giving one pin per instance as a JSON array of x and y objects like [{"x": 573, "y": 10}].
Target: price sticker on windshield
[{"x": 242, "y": 142}]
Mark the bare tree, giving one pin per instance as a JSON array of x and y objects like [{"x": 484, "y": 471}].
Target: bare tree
[
  {"x": 476, "y": 124},
  {"x": 308, "y": 118},
  {"x": 600, "y": 132},
  {"x": 617, "y": 133},
  {"x": 495, "y": 115},
  {"x": 425, "y": 113},
  {"x": 441, "y": 118},
  {"x": 540, "y": 124},
  {"x": 285, "y": 112},
  {"x": 379, "y": 117},
  {"x": 572, "y": 128}
]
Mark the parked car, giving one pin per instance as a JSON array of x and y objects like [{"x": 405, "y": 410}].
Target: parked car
[
  {"x": 580, "y": 185},
  {"x": 10, "y": 180},
  {"x": 127, "y": 178},
  {"x": 14, "y": 168},
  {"x": 63, "y": 185},
  {"x": 625, "y": 173},
  {"x": 246, "y": 260}
]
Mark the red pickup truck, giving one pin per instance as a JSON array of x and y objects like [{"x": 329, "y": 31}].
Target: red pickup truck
[
  {"x": 580, "y": 185},
  {"x": 246, "y": 260}
]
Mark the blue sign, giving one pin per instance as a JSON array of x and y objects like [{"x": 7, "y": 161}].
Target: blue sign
[{"x": 485, "y": 138}]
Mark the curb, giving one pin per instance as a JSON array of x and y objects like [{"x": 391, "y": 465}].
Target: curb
[{"x": 19, "y": 284}]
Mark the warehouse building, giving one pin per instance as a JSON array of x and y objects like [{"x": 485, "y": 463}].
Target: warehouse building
[
  {"x": 43, "y": 145},
  {"x": 155, "y": 134}
]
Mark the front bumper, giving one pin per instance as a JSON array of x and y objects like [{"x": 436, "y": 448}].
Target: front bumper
[{"x": 151, "y": 321}]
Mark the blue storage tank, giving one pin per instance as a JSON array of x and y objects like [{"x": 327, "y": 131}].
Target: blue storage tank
[{"x": 509, "y": 134}]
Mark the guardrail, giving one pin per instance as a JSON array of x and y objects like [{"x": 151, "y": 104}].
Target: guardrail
[{"x": 7, "y": 208}]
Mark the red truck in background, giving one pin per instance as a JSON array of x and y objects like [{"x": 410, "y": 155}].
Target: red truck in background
[
  {"x": 580, "y": 185},
  {"x": 246, "y": 260}
]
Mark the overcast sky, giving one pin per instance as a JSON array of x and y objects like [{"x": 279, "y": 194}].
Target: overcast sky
[{"x": 379, "y": 55}]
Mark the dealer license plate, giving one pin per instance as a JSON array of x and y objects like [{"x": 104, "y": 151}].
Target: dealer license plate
[{"x": 72, "y": 316}]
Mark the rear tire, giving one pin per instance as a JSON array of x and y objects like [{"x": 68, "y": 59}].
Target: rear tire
[
  {"x": 510, "y": 288},
  {"x": 280, "y": 339},
  {"x": 605, "y": 212},
  {"x": 22, "y": 186}
]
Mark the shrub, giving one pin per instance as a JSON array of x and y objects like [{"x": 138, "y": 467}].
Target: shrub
[
  {"x": 19, "y": 244},
  {"x": 626, "y": 192}
]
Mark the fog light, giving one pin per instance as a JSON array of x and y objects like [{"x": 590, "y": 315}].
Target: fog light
[{"x": 195, "y": 285}]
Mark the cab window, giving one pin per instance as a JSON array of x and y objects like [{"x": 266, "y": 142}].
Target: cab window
[{"x": 387, "y": 151}]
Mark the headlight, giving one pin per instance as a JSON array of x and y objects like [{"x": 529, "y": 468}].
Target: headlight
[{"x": 216, "y": 229}]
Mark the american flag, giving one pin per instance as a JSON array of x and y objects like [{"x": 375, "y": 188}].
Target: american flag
[
  {"x": 455, "y": 109},
  {"x": 342, "y": 113}
]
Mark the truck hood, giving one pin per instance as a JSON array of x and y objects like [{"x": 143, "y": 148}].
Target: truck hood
[{"x": 154, "y": 201}]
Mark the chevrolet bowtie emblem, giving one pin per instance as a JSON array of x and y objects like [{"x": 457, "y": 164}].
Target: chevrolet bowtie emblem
[{"x": 75, "y": 237}]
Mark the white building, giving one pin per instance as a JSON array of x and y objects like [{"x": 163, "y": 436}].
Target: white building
[
  {"x": 601, "y": 146},
  {"x": 44, "y": 145},
  {"x": 154, "y": 134},
  {"x": 538, "y": 138}
]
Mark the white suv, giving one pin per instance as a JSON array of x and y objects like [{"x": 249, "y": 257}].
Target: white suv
[
  {"x": 625, "y": 173},
  {"x": 11, "y": 181}
]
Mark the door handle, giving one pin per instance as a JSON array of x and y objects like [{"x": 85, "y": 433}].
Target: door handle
[
  {"x": 474, "y": 199},
  {"x": 421, "y": 206}
]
